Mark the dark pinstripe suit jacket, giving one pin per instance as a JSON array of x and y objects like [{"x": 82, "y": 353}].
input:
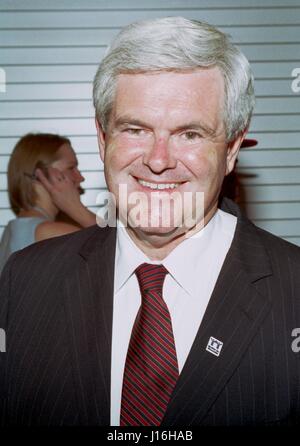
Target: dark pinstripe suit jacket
[{"x": 56, "y": 308}]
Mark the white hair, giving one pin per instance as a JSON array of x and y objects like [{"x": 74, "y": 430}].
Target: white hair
[{"x": 177, "y": 44}]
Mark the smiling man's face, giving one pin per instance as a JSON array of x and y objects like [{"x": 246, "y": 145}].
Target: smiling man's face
[{"x": 165, "y": 135}]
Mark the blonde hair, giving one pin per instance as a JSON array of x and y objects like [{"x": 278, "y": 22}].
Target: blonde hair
[{"x": 32, "y": 151}]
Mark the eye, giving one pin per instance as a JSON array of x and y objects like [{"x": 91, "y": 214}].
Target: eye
[
  {"x": 133, "y": 131},
  {"x": 191, "y": 135}
]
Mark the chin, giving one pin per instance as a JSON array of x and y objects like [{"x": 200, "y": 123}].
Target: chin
[
  {"x": 159, "y": 232},
  {"x": 155, "y": 223}
]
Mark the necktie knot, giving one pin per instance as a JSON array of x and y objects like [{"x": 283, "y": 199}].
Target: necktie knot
[{"x": 151, "y": 277}]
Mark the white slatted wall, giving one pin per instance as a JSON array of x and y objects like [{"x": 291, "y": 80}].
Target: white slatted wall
[{"x": 50, "y": 51}]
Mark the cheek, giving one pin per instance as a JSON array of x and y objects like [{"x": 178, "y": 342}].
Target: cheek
[
  {"x": 120, "y": 154},
  {"x": 199, "y": 162},
  {"x": 216, "y": 162},
  {"x": 75, "y": 176},
  {"x": 206, "y": 164}
]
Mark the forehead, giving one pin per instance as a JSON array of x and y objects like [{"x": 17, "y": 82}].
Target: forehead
[{"x": 194, "y": 90}]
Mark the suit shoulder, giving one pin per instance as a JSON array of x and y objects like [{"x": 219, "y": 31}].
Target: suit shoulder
[
  {"x": 69, "y": 241},
  {"x": 57, "y": 250}
]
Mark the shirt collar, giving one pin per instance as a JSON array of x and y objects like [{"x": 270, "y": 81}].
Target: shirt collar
[
  {"x": 128, "y": 257},
  {"x": 182, "y": 263}
]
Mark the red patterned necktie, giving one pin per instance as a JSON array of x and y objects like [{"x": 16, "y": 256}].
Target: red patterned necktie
[{"x": 151, "y": 368}]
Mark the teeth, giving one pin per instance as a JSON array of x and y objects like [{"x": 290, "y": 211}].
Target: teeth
[{"x": 158, "y": 186}]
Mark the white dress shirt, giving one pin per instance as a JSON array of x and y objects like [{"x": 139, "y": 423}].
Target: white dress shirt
[{"x": 194, "y": 266}]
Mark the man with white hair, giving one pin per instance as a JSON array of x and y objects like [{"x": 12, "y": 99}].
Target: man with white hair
[{"x": 185, "y": 313}]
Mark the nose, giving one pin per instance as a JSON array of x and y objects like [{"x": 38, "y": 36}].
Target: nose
[
  {"x": 78, "y": 178},
  {"x": 160, "y": 156}
]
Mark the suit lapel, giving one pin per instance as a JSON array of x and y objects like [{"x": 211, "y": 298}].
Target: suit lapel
[
  {"x": 89, "y": 307},
  {"x": 236, "y": 309}
]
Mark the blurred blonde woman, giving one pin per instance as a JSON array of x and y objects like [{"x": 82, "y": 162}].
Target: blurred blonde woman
[{"x": 43, "y": 182}]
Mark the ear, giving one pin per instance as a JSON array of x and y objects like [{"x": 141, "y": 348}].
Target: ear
[
  {"x": 101, "y": 138},
  {"x": 233, "y": 149}
]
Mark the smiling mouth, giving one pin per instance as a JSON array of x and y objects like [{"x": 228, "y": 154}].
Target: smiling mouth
[{"x": 158, "y": 186}]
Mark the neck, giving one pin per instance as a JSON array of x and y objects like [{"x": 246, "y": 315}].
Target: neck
[
  {"x": 40, "y": 209},
  {"x": 158, "y": 246}
]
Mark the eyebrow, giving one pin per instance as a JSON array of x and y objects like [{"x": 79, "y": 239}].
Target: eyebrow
[
  {"x": 126, "y": 119},
  {"x": 193, "y": 125}
]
